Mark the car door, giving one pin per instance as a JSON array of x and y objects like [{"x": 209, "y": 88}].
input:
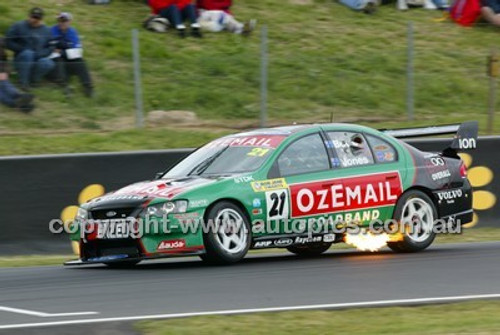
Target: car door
[
  {"x": 305, "y": 166},
  {"x": 368, "y": 168}
]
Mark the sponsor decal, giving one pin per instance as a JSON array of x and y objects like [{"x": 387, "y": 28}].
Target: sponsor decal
[
  {"x": 355, "y": 161},
  {"x": 337, "y": 195},
  {"x": 283, "y": 242},
  {"x": 245, "y": 179},
  {"x": 329, "y": 238},
  {"x": 277, "y": 204},
  {"x": 441, "y": 175},
  {"x": 467, "y": 143},
  {"x": 159, "y": 188},
  {"x": 449, "y": 196},
  {"x": 269, "y": 185},
  {"x": 186, "y": 216},
  {"x": 257, "y": 211},
  {"x": 389, "y": 156},
  {"x": 381, "y": 147},
  {"x": 437, "y": 161},
  {"x": 119, "y": 197},
  {"x": 305, "y": 240},
  {"x": 261, "y": 141},
  {"x": 198, "y": 203},
  {"x": 172, "y": 244},
  {"x": 335, "y": 162},
  {"x": 256, "y": 202},
  {"x": 380, "y": 156},
  {"x": 263, "y": 244}
]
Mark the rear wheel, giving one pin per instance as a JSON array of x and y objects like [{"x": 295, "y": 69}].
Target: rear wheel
[
  {"x": 309, "y": 250},
  {"x": 416, "y": 212},
  {"x": 229, "y": 240}
]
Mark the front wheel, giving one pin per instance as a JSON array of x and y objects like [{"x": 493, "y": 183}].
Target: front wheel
[
  {"x": 229, "y": 240},
  {"x": 309, "y": 250},
  {"x": 416, "y": 212}
]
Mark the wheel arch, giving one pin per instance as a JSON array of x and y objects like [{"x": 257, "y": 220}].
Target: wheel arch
[{"x": 234, "y": 201}]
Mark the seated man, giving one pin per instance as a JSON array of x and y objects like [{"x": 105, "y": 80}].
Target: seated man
[
  {"x": 9, "y": 95},
  {"x": 490, "y": 11},
  {"x": 30, "y": 41},
  {"x": 176, "y": 12},
  {"x": 70, "y": 61},
  {"x": 215, "y": 16}
]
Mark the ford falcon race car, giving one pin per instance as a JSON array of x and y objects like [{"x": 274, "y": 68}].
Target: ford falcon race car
[{"x": 291, "y": 187}]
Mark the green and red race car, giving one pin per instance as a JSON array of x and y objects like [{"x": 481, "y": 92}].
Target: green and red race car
[{"x": 293, "y": 187}]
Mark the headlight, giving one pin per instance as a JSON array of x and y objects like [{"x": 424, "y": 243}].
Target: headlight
[
  {"x": 82, "y": 214},
  {"x": 170, "y": 207}
]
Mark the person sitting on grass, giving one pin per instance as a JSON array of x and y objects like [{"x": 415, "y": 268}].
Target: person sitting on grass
[
  {"x": 215, "y": 16},
  {"x": 490, "y": 11},
  {"x": 69, "y": 50},
  {"x": 30, "y": 41},
  {"x": 176, "y": 12},
  {"x": 9, "y": 95},
  {"x": 365, "y": 6}
]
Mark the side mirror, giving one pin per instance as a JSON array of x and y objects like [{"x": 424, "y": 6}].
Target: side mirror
[{"x": 158, "y": 175}]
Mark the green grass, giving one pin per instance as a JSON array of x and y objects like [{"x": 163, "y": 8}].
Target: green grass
[
  {"x": 324, "y": 59},
  {"x": 479, "y": 317},
  {"x": 469, "y": 235},
  {"x": 33, "y": 260},
  {"x": 112, "y": 141}
]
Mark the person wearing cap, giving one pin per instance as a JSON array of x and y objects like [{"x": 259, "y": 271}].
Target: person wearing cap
[
  {"x": 30, "y": 42},
  {"x": 176, "y": 12},
  {"x": 69, "y": 48},
  {"x": 10, "y": 96}
]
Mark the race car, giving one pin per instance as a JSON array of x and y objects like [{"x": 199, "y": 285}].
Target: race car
[{"x": 291, "y": 187}]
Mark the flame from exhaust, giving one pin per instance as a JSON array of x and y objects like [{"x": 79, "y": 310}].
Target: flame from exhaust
[{"x": 367, "y": 241}]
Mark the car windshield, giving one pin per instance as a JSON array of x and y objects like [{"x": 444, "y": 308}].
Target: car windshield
[{"x": 226, "y": 156}]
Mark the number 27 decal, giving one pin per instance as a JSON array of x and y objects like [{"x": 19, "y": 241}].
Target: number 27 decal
[{"x": 277, "y": 204}]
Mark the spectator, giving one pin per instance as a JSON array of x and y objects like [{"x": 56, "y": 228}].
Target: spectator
[
  {"x": 176, "y": 12},
  {"x": 30, "y": 41},
  {"x": 365, "y": 6},
  {"x": 215, "y": 16},
  {"x": 69, "y": 51},
  {"x": 490, "y": 11},
  {"x": 9, "y": 95}
]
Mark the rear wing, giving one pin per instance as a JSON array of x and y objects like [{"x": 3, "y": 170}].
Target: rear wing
[{"x": 465, "y": 134}]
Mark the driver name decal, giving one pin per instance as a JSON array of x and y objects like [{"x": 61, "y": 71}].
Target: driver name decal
[{"x": 343, "y": 194}]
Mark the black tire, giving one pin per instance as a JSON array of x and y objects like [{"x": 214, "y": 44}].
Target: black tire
[
  {"x": 409, "y": 244},
  {"x": 310, "y": 250},
  {"x": 122, "y": 265},
  {"x": 216, "y": 252}
]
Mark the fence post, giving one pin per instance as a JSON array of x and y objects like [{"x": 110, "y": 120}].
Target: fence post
[
  {"x": 410, "y": 101},
  {"x": 139, "y": 109},
  {"x": 493, "y": 72},
  {"x": 263, "y": 78}
]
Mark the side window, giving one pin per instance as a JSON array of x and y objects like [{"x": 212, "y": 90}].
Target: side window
[
  {"x": 382, "y": 150},
  {"x": 307, "y": 154},
  {"x": 351, "y": 149}
]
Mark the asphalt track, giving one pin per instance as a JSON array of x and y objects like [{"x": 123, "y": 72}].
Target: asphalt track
[{"x": 54, "y": 295}]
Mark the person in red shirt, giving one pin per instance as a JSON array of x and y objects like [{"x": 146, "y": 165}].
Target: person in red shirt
[
  {"x": 176, "y": 12},
  {"x": 215, "y": 15}
]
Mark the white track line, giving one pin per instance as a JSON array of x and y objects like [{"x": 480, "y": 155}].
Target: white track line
[
  {"x": 42, "y": 314},
  {"x": 379, "y": 303}
]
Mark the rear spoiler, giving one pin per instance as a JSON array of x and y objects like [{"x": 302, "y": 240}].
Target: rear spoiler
[{"x": 465, "y": 134}]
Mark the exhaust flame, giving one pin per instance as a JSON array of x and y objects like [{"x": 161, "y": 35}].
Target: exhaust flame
[{"x": 367, "y": 241}]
